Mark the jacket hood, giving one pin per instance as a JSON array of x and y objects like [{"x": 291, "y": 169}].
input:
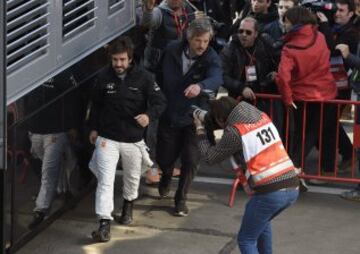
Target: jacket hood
[{"x": 301, "y": 37}]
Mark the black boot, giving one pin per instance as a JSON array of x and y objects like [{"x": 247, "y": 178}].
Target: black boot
[
  {"x": 126, "y": 217},
  {"x": 181, "y": 210},
  {"x": 103, "y": 233},
  {"x": 37, "y": 219},
  {"x": 164, "y": 186}
]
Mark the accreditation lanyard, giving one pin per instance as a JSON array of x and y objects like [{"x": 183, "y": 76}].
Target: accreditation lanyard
[
  {"x": 180, "y": 24},
  {"x": 250, "y": 70}
]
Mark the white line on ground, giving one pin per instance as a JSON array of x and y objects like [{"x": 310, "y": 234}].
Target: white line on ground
[{"x": 226, "y": 181}]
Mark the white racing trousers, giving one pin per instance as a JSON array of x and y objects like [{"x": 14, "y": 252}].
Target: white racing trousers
[
  {"x": 103, "y": 164},
  {"x": 50, "y": 149}
]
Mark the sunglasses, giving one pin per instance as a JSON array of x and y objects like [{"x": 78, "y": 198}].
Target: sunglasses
[{"x": 247, "y": 32}]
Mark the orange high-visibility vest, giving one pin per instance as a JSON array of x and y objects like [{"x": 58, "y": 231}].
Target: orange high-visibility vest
[{"x": 264, "y": 152}]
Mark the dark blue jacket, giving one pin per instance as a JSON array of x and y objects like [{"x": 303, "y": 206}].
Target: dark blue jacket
[{"x": 206, "y": 71}]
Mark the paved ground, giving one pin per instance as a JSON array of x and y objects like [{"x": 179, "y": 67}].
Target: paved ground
[{"x": 318, "y": 223}]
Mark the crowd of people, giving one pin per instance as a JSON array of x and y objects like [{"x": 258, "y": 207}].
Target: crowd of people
[{"x": 145, "y": 97}]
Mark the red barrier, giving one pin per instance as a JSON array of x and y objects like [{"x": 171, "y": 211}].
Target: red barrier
[{"x": 312, "y": 165}]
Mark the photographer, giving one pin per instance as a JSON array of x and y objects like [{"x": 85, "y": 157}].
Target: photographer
[{"x": 250, "y": 135}]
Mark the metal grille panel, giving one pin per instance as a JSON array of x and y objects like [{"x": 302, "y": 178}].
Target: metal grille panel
[
  {"x": 27, "y": 32},
  {"x": 116, "y": 5},
  {"x": 78, "y": 16},
  {"x": 45, "y": 37}
]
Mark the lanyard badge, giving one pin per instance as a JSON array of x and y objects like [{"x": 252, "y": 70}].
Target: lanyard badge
[{"x": 250, "y": 73}]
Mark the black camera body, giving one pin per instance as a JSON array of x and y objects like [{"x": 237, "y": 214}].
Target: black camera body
[
  {"x": 203, "y": 100},
  {"x": 325, "y": 6}
]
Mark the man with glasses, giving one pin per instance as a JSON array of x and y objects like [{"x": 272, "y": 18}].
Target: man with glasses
[{"x": 246, "y": 62}]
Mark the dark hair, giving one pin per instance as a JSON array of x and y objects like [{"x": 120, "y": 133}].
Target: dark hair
[
  {"x": 121, "y": 45},
  {"x": 199, "y": 27},
  {"x": 251, "y": 19},
  {"x": 221, "y": 108},
  {"x": 299, "y": 15},
  {"x": 296, "y": 2},
  {"x": 349, "y": 3}
]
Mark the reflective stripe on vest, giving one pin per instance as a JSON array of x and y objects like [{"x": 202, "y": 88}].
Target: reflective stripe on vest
[
  {"x": 264, "y": 152},
  {"x": 339, "y": 73}
]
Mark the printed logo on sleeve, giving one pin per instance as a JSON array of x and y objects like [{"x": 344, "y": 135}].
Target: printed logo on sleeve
[{"x": 156, "y": 87}]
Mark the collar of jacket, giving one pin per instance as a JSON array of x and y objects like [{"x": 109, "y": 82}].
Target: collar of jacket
[
  {"x": 302, "y": 37},
  {"x": 179, "y": 49}
]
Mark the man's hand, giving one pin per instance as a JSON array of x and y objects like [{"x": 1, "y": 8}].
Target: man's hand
[
  {"x": 321, "y": 16},
  {"x": 271, "y": 76},
  {"x": 248, "y": 93},
  {"x": 142, "y": 119},
  {"x": 93, "y": 136},
  {"x": 200, "y": 129},
  {"x": 192, "y": 91},
  {"x": 149, "y": 4},
  {"x": 198, "y": 123},
  {"x": 344, "y": 49}
]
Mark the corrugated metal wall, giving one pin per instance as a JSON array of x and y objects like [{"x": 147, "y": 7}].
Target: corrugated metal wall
[{"x": 46, "y": 36}]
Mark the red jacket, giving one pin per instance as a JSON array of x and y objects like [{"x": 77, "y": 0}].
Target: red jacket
[{"x": 304, "y": 70}]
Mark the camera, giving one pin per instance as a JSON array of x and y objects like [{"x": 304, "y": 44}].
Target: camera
[
  {"x": 198, "y": 113},
  {"x": 326, "y": 7}
]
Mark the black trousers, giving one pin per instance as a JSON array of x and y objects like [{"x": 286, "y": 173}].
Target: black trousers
[
  {"x": 174, "y": 143},
  {"x": 313, "y": 132},
  {"x": 296, "y": 131}
]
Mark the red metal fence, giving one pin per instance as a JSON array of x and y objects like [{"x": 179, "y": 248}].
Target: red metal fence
[{"x": 311, "y": 165}]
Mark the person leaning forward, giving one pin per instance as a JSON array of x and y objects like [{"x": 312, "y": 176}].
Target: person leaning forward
[{"x": 250, "y": 137}]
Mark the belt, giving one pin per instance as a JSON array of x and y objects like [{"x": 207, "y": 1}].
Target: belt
[{"x": 290, "y": 188}]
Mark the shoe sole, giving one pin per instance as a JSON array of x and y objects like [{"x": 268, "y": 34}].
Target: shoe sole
[
  {"x": 97, "y": 238},
  {"x": 180, "y": 214},
  {"x": 125, "y": 223},
  {"x": 164, "y": 196}
]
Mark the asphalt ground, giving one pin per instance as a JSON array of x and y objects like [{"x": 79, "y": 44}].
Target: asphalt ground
[{"x": 319, "y": 223}]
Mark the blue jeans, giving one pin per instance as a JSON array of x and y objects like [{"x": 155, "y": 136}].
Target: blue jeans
[{"x": 255, "y": 231}]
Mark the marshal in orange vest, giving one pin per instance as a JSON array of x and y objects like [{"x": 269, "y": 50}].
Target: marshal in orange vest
[{"x": 264, "y": 152}]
